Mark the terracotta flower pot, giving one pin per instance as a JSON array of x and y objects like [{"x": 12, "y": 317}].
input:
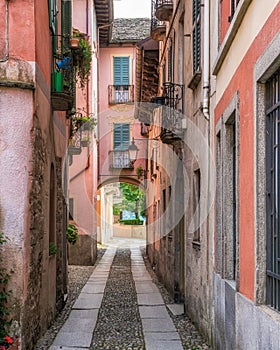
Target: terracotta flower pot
[{"x": 74, "y": 43}]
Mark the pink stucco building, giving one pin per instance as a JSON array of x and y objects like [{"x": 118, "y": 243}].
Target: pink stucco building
[{"x": 117, "y": 125}]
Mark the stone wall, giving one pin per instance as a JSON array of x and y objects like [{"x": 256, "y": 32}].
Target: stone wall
[
  {"x": 83, "y": 252},
  {"x": 32, "y": 318}
]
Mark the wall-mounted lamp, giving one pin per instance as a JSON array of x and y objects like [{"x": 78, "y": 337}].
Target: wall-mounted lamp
[{"x": 133, "y": 151}]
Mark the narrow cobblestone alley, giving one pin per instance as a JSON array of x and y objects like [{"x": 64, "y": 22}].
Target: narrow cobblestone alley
[{"x": 123, "y": 306}]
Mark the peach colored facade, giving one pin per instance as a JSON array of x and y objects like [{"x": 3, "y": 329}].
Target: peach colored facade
[
  {"x": 116, "y": 113},
  {"x": 33, "y": 148},
  {"x": 83, "y": 170},
  {"x": 244, "y": 65}
]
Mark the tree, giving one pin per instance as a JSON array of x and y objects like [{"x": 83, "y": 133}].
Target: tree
[{"x": 133, "y": 199}]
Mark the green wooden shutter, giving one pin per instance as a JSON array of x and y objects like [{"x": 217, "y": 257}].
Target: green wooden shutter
[
  {"x": 53, "y": 13},
  {"x": 66, "y": 20},
  {"x": 121, "y": 70},
  {"x": 121, "y": 136}
]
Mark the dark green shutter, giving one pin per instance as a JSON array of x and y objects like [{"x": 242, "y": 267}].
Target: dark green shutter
[
  {"x": 121, "y": 70},
  {"x": 53, "y": 14},
  {"x": 121, "y": 136},
  {"x": 66, "y": 20}
]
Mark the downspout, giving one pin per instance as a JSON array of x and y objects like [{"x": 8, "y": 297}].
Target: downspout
[
  {"x": 206, "y": 113},
  {"x": 6, "y": 57},
  {"x": 206, "y": 60}
]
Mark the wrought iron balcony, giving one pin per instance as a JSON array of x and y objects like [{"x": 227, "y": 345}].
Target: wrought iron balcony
[
  {"x": 120, "y": 160},
  {"x": 171, "y": 125},
  {"x": 120, "y": 94},
  {"x": 75, "y": 146},
  {"x": 163, "y": 9},
  {"x": 158, "y": 28},
  {"x": 63, "y": 84}
]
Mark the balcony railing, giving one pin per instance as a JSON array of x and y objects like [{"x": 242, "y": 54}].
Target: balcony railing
[
  {"x": 163, "y": 9},
  {"x": 158, "y": 28},
  {"x": 63, "y": 77},
  {"x": 120, "y": 160},
  {"x": 171, "y": 126},
  {"x": 120, "y": 94}
]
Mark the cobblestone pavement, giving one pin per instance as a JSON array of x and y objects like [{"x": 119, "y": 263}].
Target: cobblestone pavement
[
  {"x": 114, "y": 317},
  {"x": 191, "y": 338},
  {"x": 77, "y": 277},
  {"x": 119, "y": 323}
]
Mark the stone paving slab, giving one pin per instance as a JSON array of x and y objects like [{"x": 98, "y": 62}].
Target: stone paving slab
[
  {"x": 97, "y": 281},
  {"x": 162, "y": 336},
  {"x": 163, "y": 345},
  {"x": 153, "y": 312},
  {"x": 84, "y": 314},
  {"x": 176, "y": 309},
  {"x": 146, "y": 287},
  {"x": 92, "y": 288},
  {"x": 78, "y": 339},
  {"x": 150, "y": 299},
  {"x": 59, "y": 347},
  {"x": 142, "y": 279},
  {"x": 158, "y": 325},
  {"x": 88, "y": 301},
  {"x": 81, "y": 325}
]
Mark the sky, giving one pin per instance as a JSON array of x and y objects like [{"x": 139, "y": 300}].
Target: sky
[{"x": 132, "y": 8}]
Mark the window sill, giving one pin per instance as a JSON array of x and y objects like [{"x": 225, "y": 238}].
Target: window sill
[{"x": 195, "y": 80}]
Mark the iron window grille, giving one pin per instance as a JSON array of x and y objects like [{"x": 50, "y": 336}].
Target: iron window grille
[
  {"x": 196, "y": 36},
  {"x": 273, "y": 190}
]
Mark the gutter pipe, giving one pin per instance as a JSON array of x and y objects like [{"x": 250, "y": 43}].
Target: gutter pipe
[{"x": 206, "y": 60}]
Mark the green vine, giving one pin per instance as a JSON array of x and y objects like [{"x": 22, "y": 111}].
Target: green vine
[
  {"x": 82, "y": 58},
  {"x": 72, "y": 234},
  {"x": 52, "y": 249}
]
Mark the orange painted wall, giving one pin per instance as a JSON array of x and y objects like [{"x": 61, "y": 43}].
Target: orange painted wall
[
  {"x": 224, "y": 15},
  {"x": 21, "y": 30},
  {"x": 242, "y": 81},
  {"x": 43, "y": 40}
]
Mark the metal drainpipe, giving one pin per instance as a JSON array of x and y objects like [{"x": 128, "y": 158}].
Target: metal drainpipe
[
  {"x": 206, "y": 60},
  {"x": 7, "y": 34}
]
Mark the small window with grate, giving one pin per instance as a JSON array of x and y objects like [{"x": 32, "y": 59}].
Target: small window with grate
[
  {"x": 196, "y": 35},
  {"x": 273, "y": 189}
]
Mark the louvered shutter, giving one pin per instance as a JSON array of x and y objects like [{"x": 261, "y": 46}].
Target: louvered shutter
[
  {"x": 53, "y": 14},
  {"x": 121, "y": 137},
  {"x": 121, "y": 70},
  {"x": 66, "y": 20}
]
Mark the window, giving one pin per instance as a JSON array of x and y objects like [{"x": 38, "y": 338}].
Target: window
[
  {"x": 71, "y": 208},
  {"x": 170, "y": 63},
  {"x": 121, "y": 91},
  {"x": 121, "y": 70},
  {"x": 53, "y": 20},
  {"x": 121, "y": 136},
  {"x": 233, "y": 6},
  {"x": 273, "y": 189},
  {"x": 52, "y": 207},
  {"x": 196, "y": 35},
  {"x": 227, "y": 192},
  {"x": 230, "y": 217},
  {"x": 196, "y": 205},
  {"x": 219, "y": 192},
  {"x": 120, "y": 153},
  {"x": 66, "y": 19}
]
